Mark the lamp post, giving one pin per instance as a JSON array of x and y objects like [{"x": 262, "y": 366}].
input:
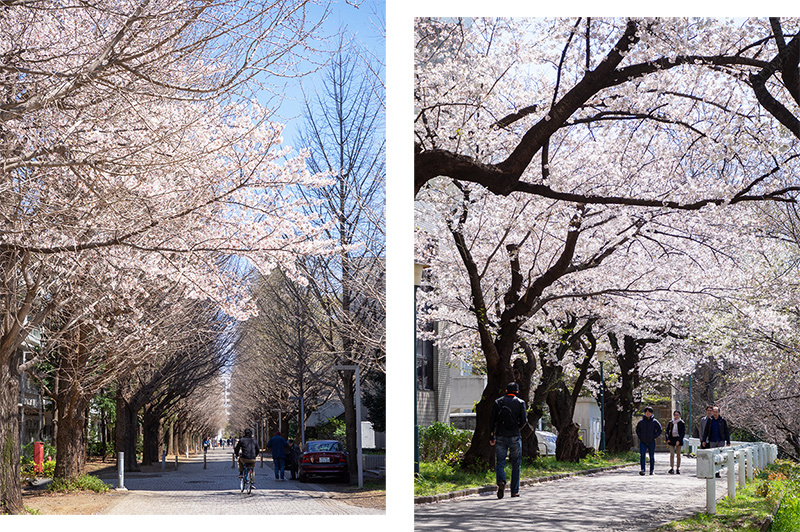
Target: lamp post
[
  {"x": 691, "y": 423},
  {"x": 418, "y": 268},
  {"x": 601, "y": 357},
  {"x": 359, "y": 452}
]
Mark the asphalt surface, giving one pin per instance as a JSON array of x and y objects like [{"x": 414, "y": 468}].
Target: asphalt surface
[
  {"x": 618, "y": 501},
  {"x": 215, "y": 490}
]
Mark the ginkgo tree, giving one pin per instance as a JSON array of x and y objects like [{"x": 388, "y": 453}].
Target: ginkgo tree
[
  {"x": 649, "y": 137},
  {"x": 135, "y": 125}
]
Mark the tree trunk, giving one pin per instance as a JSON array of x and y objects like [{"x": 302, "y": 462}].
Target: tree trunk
[
  {"x": 481, "y": 455},
  {"x": 151, "y": 424},
  {"x": 10, "y": 487},
  {"x": 569, "y": 447},
  {"x": 127, "y": 431},
  {"x": 523, "y": 375},
  {"x": 71, "y": 442}
]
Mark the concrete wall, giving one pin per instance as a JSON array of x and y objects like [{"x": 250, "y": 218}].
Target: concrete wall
[
  {"x": 465, "y": 391},
  {"x": 587, "y": 415}
]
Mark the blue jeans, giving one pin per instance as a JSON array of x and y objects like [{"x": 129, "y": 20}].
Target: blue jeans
[
  {"x": 280, "y": 464},
  {"x": 651, "y": 449},
  {"x": 504, "y": 444}
]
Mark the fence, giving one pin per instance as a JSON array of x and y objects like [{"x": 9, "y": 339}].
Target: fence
[{"x": 743, "y": 457}]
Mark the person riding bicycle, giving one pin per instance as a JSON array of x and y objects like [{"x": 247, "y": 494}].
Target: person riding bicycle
[{"x": 248, "y": 449}]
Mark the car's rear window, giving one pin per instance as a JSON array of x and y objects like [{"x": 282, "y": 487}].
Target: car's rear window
[{"x": 316, "y": 446}]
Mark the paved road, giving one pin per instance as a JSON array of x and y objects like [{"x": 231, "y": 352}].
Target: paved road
[
  {"x": 215, "y": 490},
  {"x": 618, "y": 501}
]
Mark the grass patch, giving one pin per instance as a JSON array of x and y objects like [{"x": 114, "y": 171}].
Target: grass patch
[
  {"x": 443, "y": 477},
  {"x": 754, "y": 503},
  {"x": 82, "y": 483},
  {"x": 788, "y": 517}
]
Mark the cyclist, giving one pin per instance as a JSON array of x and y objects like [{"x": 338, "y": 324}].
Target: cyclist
[{"x": 248, "y": 449}]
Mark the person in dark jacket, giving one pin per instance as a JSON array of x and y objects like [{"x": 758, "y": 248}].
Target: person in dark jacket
[
  {"x": 507, "y": 418},
  {"x": 703, "y": 421},
  {"x": 676, "y": 430},
  {"x": 293, "y": 456},
  {"x": 246, "y": 451},
  {"x": 278, "y": 445},
  {"x": 647, "y": 430},
  {"x": 716, "y": 433}
]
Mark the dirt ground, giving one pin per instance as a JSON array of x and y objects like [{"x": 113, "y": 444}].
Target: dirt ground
[{"x": 39, "y": 501}]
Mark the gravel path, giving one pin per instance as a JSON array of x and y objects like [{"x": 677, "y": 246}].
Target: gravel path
[
  {"x": 618, "y": 501},
  {"x": 215, "y": 490}
]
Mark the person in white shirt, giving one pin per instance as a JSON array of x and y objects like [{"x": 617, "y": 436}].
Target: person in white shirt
[{"x": 676, "y": 430}]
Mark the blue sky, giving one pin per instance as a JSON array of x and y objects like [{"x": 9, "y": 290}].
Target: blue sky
[{"x": 360, "y": 20}]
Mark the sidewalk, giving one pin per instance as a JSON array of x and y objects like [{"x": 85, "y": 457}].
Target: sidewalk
[
  {"x": 215, "y": 490},
  {"x": 618, "y": 501}
]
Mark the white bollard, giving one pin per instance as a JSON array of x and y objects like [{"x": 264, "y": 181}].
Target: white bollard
[
  {"x": 750, "y": 459},
  {"x": 187, "y": 451},
  {"x": 711, "y": 496},
  {"x": 121, "y": 473},
  {"x": 731, "y": 474},
  {"x": 742, "y": 454}
]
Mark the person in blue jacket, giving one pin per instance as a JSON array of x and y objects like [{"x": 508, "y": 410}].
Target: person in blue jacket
[
  {"x": 278, "y": 445},
  {"x": 647, "y": 430}
]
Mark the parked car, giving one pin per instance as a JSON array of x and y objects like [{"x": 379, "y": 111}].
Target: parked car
[
  {"x": 324, "y": 458},
  {"x": 547, "y": 443}
]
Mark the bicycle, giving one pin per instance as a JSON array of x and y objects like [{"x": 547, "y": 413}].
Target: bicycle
[{"x": 248, "y": 479}]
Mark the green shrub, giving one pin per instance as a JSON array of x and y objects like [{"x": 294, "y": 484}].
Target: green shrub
[
  {"x": 82, "y": 483},
  {"x": 26, "y": 456},
  {"x": 788, "y": 517},
  {"x": 443, "y": 442},
  {"x": 29, "y": 470}
]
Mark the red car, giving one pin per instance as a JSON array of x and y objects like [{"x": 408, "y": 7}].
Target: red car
[{"x": 324, "y": 457}]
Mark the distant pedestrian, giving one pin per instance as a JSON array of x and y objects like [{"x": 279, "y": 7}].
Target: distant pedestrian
[
  {"x": 293, "y": 458},
  {"x": 676, "y": 430},
  {"x": 279, "y": 446},
  {"x": 716, "y": 433},
  {"x": 205, "y": 445},
  {"x": 507, "y": 418},
  {"x": 703, "y": 421},
  {"x": 647, "y": 430}
]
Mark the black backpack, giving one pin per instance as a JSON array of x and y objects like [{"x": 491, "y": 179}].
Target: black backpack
[{"x": 505, "y": 417}]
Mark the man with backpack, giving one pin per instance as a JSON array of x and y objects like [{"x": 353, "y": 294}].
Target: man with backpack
[{"x": 508, "y": 417}]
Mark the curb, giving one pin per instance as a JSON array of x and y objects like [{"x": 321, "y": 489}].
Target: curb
[
  {"x": 427, "y": 499},
  {"x": 766, "y": 524}
]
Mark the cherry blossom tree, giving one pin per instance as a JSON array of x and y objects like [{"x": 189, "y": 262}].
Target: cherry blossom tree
[
  {"x": 134, "y": 124},
  {"x": 633, "y": 127}
]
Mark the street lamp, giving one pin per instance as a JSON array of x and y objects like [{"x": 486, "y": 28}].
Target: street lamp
[
  {"x": 691, "y": 424},
  {"x": 359, "y": 452},
  {"x": 418, "y": 268},
  {"x": 601, "y": 357}
]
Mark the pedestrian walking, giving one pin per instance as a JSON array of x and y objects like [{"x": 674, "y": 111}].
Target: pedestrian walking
[
  {"x": 676, "y": 430},
  {"x": 278, "y": 445},
  {"x": 507, "y": 418},
  {"x": 716, "y": 432},
  {"x": 647, "y": 430},
  {"x": 703, "y": 421},
  {"x": 294, "y": 454}
]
